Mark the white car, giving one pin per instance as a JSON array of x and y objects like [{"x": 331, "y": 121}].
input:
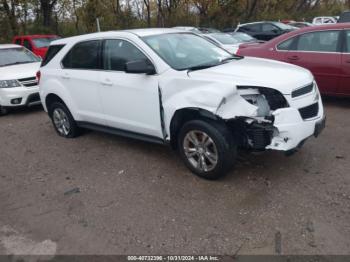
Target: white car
[
  {"x": 321, "y": 20},
  {"x": 174, "y": 87},
  {"x": 18, "y": 82},
  {"x": 225, "y": 41}
]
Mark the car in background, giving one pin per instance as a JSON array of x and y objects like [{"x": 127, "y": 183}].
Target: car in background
[
  {"x": 18, "y": 82},
  {"x": 344, "y": 17},
  {"x": 189, "y": 28},
  {"x": 225, "y": 41},
  {"x": 243, "y": 37},
  {"x": 300, "y": 24},
  {"x": 38, "y": 44},
  {"x": 322, "y": 20},
  {"x": 324, "y": 50},
  {"x": 208, "y": 30},
  {"x": 265, "y": 30},
  {"x": 175, "y": 88}
]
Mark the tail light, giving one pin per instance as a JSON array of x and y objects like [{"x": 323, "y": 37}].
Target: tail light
[{"x": 38, "y": 76}]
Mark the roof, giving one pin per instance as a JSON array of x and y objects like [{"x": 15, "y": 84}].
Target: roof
[
  {"x": 155, "y": 31},
  {"x": 120, "y": 33},
  {"x": 324, "y": 27},
  {"x": 7, "y": 46}
]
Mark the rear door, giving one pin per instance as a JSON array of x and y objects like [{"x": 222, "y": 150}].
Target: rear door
[
  {"x": 344, "y": 83},
  {"x": 81, "y": 78},
  {"x": 320, "y": 52}
]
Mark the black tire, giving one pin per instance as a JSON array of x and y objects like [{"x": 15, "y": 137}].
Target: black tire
[
  {"x": 3, "y": 111},
  {"x": 224, "y": 148},
  {"x": 71, "y": 129}
]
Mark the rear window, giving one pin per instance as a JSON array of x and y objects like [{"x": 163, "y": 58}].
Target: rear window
[
  {"x": 51, "y": 53},
  {"x": 44, "y": 41}
]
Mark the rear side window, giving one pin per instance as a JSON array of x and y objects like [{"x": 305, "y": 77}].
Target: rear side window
[
  {"x": 286, "y": 45},
  {"x": 51, "y": 53},
  {"x": 251, "y": 28},
  {"x": 85, "y": 55},
  {"x": 326, "y": 41},
  {"x": 118, "y": 52},
  {"x": 347, "y": 36},
  {"x": 18, "y": 41}
]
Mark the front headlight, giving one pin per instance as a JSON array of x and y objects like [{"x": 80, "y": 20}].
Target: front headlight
[{"x": 9, "y": 83}]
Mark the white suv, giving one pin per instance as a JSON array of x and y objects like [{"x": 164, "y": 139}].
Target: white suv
[
  {"x": 174, "y": 87},
  {"x": 18, "y": 82}
]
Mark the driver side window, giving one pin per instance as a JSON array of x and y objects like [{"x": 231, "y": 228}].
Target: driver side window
[{"x": 117, "y": 53}]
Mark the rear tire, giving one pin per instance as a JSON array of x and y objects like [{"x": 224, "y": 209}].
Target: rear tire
[
  {"x": 207, "y": 148},
  {"x": 63, "y": 120}
]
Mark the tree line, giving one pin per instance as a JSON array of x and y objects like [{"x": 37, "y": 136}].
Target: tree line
[{"x": 72, "y": 17}]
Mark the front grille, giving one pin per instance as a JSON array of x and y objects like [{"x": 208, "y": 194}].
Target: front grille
[
  {"x": 302, "y": 91},
  {"x": 309, "y": 111},
  {"x": 28, "y": 82}
]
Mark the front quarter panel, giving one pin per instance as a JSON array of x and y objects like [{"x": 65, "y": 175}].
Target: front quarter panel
[{"x": 217, "y": 97}]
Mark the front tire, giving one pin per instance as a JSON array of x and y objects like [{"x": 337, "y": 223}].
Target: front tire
[
  {"x": 207, "y": 148},
  {"x": 63, "y": 120}
]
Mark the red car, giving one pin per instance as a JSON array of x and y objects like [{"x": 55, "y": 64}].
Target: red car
[
  {"x": 38, "y": 44},
  {"x": 324, "y": 50}
]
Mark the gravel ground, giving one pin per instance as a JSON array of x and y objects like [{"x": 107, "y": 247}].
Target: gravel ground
[{"x": 102, "y": 194}]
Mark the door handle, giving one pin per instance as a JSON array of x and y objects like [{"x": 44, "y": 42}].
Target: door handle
[
  {"x": 293, "y": 58},
  {"x": 347, "y": 61},
  {"x": 107, "y": 82}
]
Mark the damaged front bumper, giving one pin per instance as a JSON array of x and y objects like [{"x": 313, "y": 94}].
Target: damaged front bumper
[{"x": 291, "y": 130}]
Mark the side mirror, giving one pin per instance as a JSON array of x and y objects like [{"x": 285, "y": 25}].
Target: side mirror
[{"x": 140, "y": 67}]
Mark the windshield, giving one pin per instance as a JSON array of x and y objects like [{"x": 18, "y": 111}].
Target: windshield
[
  {"x": 185, "y": 51},
  {"x": 225, "y": 39},
  {"x": 43, "y": 42},
  {"x": 284, "y": 26},
  {"x": 13, "y": 56}
]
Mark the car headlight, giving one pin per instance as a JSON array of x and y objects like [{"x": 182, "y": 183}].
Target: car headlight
[{"x": 9, "y": 83}]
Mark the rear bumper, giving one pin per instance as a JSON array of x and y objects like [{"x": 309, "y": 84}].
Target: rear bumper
[{"x": 25, "y": 96}]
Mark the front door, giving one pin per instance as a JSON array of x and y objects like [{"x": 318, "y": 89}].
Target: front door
[{"x": 130, "y": 101}]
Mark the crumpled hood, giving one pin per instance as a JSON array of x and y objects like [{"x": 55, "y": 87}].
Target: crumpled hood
[
  {"x": 19, "y": 71},
  {"x": 258, "y": 72}
]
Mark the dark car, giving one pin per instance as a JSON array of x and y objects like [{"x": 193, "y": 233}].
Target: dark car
[
  {"x": 344, "y": 17},
  {"x": 265, "y": 30},
  {"x": 323, "y": 49}
]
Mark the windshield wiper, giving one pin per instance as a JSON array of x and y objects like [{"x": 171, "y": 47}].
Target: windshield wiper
[
  {"x": 200, "y": 67},
  {"x": 235, "y": 57}
]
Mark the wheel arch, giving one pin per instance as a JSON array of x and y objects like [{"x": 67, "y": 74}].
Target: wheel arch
[
  {"x": 52, "y": 98},
  {"x": 183, "y": 115}
]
